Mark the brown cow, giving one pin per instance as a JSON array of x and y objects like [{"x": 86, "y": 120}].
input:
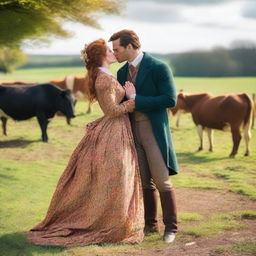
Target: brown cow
[
  {"x": 220, "y": 112},
  {"x": 77, "y": 84},
  {"x": 254, "y": 110},
  {"x": 17, "y": 83},
  {"x": 178, "y": 112}
]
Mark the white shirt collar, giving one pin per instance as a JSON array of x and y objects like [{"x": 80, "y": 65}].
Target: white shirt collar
[
  {"x": 137, "y": 60},
  {"x": 106, "y": 70}
]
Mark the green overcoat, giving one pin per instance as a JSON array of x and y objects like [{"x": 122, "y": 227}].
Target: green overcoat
[{"x": 155, "y": 92}]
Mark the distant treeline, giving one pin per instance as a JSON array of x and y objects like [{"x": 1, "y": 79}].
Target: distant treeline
[
  {"x": 42, "y": 61},
  {"x": 238, "y": 60}
]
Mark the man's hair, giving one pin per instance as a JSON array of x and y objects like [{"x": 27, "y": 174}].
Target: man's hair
[{"x": 126, "y": 37}]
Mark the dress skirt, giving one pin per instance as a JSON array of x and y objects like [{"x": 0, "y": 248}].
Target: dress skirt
[{"x": 98, "y": 198}]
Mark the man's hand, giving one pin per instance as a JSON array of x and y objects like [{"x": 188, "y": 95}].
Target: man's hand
[{"x": 130, "y": 90}]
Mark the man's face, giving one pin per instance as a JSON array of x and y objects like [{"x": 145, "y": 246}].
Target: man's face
[{"x": 121, "y": 53}]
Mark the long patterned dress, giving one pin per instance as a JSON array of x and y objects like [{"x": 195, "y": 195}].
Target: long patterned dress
[{"x": 98, "y": 198}]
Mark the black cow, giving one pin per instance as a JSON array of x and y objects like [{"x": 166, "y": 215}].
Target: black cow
[{"x": 42, "y": 101}]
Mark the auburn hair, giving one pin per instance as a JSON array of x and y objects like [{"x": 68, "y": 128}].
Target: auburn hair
[{"x": 93, "y": 55}]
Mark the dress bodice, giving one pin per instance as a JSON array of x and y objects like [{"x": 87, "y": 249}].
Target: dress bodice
[{"x": 109, "y": 94}]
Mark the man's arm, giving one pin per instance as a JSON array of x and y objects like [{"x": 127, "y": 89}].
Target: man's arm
[{"x": 167, "y": 92}]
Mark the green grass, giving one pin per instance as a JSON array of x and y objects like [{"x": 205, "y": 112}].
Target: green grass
[
  {"x": 189, "y": 216},
  {"x": 30, "y": 169},
  {"x": 237, "y": 249},
  {"x": 206, "y": 169},
  {"x": 188, "y": 84},
  {"x": 213, "y": 227},
  {"x": 190, "y": 179},
  {"x": 217, "y": 85},
  {"x": 220, "y": 222},
  {"x": 42, "y": 75},
  {"x": 16, "y": 245}
]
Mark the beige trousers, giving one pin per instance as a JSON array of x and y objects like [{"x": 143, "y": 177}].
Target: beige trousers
[{"x": 153, "y": 170}]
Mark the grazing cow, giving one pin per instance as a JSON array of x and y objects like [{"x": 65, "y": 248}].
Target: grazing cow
[
  {"x": 210, "y": 112},
  {"x": 77, "y": 84},
  {"x": 42, "y": 101},
  {"x": 14, "y": 83},
  {"x": 177, "y": 112}
]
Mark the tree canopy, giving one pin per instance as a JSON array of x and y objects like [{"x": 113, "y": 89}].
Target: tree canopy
[
  {"x": 11, "y": 58},
  {"x": 238, "y": 60},
  {"x": 40, "y": 19}
]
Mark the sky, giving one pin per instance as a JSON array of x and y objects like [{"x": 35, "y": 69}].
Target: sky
[{"x": 168, "y": 26}]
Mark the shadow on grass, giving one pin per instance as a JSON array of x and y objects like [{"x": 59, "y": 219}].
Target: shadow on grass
[
  {"x": 192, "y": 157},
  {"x": 17, "y": 143},
  {"x": 6, "y": 177},
  {"x": 82, "y": 114},
  {"x": 14, "y": 244},
  {"x": 175, "y": 129}
]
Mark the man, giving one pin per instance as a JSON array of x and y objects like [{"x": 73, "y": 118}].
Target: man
[{"x": 155, "y": 92}]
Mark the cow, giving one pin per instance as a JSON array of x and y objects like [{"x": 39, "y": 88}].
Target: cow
[
  {"x": 219, "y": 112},
  {"x": 42, "y": 100},
  {"x": 177, "y": 112},
  {"x": 77, "y": 84},
  {"x": 254, "y": 110},
  {"x": 17, "y": 83},
  {"x": 14, "y": 83}
]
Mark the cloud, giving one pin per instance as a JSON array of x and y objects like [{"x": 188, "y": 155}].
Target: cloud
[
  {"x": 153, "y": 12},
  {"x": 171, "y": 11},
  {"x": 249, "y": 11},
  {"x": 211, "y": 25},
  {"x": 168, "y": 26},
  {"x": 186, "y": 2}
]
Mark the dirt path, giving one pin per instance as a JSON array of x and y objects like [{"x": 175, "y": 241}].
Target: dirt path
[{"x": 206, "y": 203}]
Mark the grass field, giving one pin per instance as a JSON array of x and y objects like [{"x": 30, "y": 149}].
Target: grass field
[
  {"x": 216, "y": 194},
  {"x": 195, "y": 84}
]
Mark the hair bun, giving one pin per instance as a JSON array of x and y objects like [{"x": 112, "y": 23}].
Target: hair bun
[{"x": 84, "y": 56}]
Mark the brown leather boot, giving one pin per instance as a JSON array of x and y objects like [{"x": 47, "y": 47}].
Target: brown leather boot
[
  {"x": 168, "y": 203},
  {"x": 150, "y": 209}
]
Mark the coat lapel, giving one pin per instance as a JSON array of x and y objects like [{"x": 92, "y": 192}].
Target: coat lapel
[
  {"x": 144, "y": 69},
  {"x": 123, "y": 74}
]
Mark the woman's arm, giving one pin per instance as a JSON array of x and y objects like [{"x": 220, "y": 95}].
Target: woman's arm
[{"x": 106, "y": 96}]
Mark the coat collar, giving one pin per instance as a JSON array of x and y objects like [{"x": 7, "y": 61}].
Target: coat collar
[{"x": 144, "y": 68}]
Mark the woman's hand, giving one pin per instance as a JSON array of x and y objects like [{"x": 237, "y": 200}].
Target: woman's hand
[{"x": 130, "y": 90}]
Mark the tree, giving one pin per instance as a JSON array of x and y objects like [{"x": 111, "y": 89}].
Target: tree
[
  {"x": 244, "y": 53},
  {"x": 238, "y": 61},
  {"x": 38, "y": 20},
  {"x": 11, "y": 58}
]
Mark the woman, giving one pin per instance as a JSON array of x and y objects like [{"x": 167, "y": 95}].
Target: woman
[{"x": 98, "y": 198}]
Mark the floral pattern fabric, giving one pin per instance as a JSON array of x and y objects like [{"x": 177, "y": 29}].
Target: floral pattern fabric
[{"x": 98, "y": 198}]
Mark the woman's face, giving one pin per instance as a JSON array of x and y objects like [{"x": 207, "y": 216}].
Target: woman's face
[{"x": 110, "y": 57}]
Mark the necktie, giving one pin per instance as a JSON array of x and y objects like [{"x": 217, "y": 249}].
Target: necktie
[{"x": 132, "y": 71}]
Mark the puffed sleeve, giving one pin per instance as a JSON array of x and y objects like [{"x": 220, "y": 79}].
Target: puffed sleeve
[{"x": 106, "y": 96}]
